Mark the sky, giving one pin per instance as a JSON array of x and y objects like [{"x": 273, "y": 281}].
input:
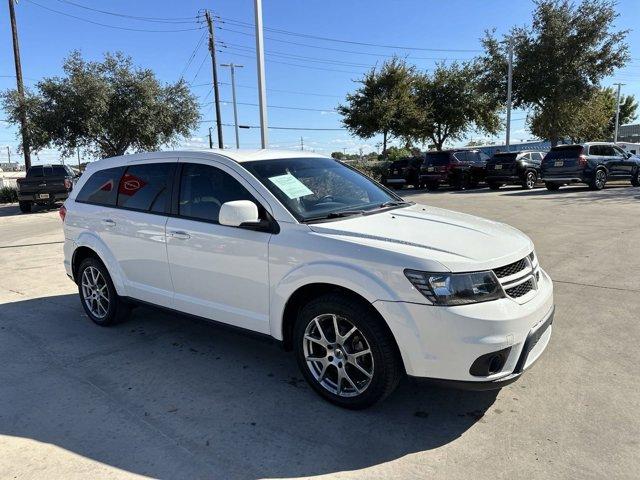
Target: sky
[{"x": 306, "y": 74}]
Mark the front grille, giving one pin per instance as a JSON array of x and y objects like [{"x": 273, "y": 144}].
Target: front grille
[
  {"x": 520, "y": 290},
  {"x": 511, "y": 269}
]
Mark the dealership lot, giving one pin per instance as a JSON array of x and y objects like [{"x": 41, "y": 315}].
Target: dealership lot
[{"x": 170, "y": 397}]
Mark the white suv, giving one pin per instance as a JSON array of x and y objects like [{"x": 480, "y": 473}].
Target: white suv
[{"x": 363, "y": 286}]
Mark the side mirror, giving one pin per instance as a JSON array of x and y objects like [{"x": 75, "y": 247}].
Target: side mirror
[{"x": 239, "y": 213}]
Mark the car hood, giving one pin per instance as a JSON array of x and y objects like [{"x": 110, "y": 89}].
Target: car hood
[{"x": 458, "y": 241}]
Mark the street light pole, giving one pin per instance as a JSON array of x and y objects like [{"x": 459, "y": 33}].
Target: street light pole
[
  {"x": 509, "y": 82},
  {"x": 615, "y": 134},
  {"x": 210, "y": 139},
  {"x": 262, "y": 88},
  {"x": 232, "y": 67}
]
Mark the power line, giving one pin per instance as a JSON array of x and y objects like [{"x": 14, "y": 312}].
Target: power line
[
  {"x": 296, "y": 64},
  {"x": 327, "y": 110},
  {"x": 204, "y": 59},
  {"x": 110, "y": 26},
  {"x": 337, "y": 40},
  {"x": 279, "y": 128},
  {"x": 134, "y": 17},
  {"x": 193, "y": 55},
  {"x": 274, "y": 90}
]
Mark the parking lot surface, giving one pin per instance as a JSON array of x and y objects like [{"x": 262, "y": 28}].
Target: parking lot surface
[{"x": 169, "y": 397}]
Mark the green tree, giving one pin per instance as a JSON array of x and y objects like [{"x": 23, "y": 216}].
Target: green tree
[
  {"x": 107, "y": 108},
  {"x": 383, "y": 103},
  {"x": 452, "y": 105},
  {"x": 560, "y": 59},
  {"x": 337, "y": 155},
  {"x": 395, "y": 153}
]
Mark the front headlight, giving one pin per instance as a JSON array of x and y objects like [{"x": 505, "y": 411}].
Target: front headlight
[{"x": 456, "y": 288}]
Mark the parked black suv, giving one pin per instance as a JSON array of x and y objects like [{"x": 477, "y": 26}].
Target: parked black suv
[
  {"x": 514, "y": 168},
  {"x": 45, "y": 185},
  {"x": 403, "y": 172},
  {"x": 457, "y": 168},
  {"x": 590, "y": 163}
]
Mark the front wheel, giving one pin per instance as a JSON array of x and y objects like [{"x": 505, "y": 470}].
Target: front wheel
[
  {"x": 98, "y": 295},
  {"x": 345, "y": 352},
  {"x": 635, "y": 179},
  {"x": 530, "y": 180},
  {"x": 432, "y": 186}
]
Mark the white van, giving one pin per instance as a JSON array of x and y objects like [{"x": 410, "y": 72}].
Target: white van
[{"x": 363, "y": 286}]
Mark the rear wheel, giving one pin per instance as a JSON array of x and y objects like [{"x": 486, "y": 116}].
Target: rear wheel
[
  {"x": 494, "y": 185},
  {"x": 635, "y": 178},
  {"x": 530, "y": 180},
  {"x": 431, "y": 186},
  {"x": 98, "y": 295},
  {"x": 345, "y": 352},
  {"x": 552, "y": 186},
  {"x": 599, "y": 180},
  {"x": 25, "y": 207}
]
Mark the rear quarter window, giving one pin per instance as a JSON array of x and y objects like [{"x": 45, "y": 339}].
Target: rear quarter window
[{"x": 101, "y": 188}]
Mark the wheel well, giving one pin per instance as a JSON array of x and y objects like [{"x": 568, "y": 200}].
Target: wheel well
[
  {"x": 78, "y": 256},
  {"x": 308, "y": 292}
]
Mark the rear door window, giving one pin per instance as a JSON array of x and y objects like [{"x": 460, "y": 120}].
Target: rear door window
[
  {"x": 146, "y": 187},
  {"x": 37, "y": 171},
  {"x": 102, "y": 187}
]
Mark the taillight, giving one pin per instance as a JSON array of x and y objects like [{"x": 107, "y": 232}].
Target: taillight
[
  {"x": 68, "y": 184},
  {"x": 582, "y": 160},
  {"x": 62, "y": 212}
]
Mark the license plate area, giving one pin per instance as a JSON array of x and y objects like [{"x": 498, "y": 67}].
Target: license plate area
[
  {"x": 558, "y": 163},
  {"x": 430, "y": 169},
  {"x": 43, "y": 196},
  {"x": 498, "y": 167}
]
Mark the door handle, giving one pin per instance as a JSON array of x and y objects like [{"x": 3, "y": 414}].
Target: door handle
[
  {"x": 179, "y": 234},
  {"x": 108, "y": 222}
]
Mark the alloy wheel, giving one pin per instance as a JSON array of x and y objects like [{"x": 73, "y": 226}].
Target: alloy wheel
[
  {"x": 338, "y": 355},
  {"x": 600, "y": 178},
  {"x": 531, "y": 180},
  {"x": 95, "y": 292}
]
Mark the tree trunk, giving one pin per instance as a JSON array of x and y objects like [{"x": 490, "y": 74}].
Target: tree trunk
[{"x": 384, "y": 142}]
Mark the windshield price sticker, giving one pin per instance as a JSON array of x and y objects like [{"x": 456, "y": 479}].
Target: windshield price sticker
[{"x": 291, "y": 186}]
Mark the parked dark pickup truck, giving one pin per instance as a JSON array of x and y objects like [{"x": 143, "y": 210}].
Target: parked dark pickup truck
[{"x": 45, "y": 185}]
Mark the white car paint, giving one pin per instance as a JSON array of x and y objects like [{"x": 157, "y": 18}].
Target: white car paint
[{"x": 245, "y": 278}]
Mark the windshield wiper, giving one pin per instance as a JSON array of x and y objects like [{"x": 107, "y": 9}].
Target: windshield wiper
[
  {"x": 344, "y": 213},
  {"x": 396, "y": 203}
]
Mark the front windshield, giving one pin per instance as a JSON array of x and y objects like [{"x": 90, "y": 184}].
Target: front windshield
[{"x": 319, "y": 188}]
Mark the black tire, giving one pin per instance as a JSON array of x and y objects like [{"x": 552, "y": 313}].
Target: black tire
[
  {"x": 117, "y": 309},
  {"x": 530, "y": 180},
  {"x": 432, "y": 186},
  {"x": 25, "y": 207},
  {"x": 494, "y": 185},
  {"x": 396, "y": 186},
  {"x": 384, "y": 359},
  {"x": 635, "y": 178},
  {"x": 552, "y": 186},
  {"x": 599, "y": 180}
]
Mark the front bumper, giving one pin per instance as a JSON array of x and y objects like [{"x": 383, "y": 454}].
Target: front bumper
[{"x": 439, "y": 344}]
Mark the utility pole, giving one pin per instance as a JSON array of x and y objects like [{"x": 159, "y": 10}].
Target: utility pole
[
  {"x": 78, "y": 152},
  {"x": 509, "y": 81},
  {"x": 23, "y": 113},
  {"x": 302, "y": 144},
  {"x": 210, "y": 139},
  {"x": 232, "y": 67},
  {"x": 615, "y": 134},
  {"x": 9, "y": 155},
  {"x": 262, "y": 87},
  {"x": 216, "y": 93}
]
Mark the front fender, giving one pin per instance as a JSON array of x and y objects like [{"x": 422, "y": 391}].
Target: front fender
[
  {"x": 351, "y": 277},
  {"x": 90, "y": 240}
]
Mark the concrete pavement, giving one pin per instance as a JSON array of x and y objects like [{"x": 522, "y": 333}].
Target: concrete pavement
[{"x": 169, "y": 397}]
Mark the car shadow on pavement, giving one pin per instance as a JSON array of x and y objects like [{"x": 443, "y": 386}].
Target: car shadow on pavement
[
  {"x": 12, "y": 209},
  {"x": 569, "y": 193},
  {"x": 172, "y": 397}
]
